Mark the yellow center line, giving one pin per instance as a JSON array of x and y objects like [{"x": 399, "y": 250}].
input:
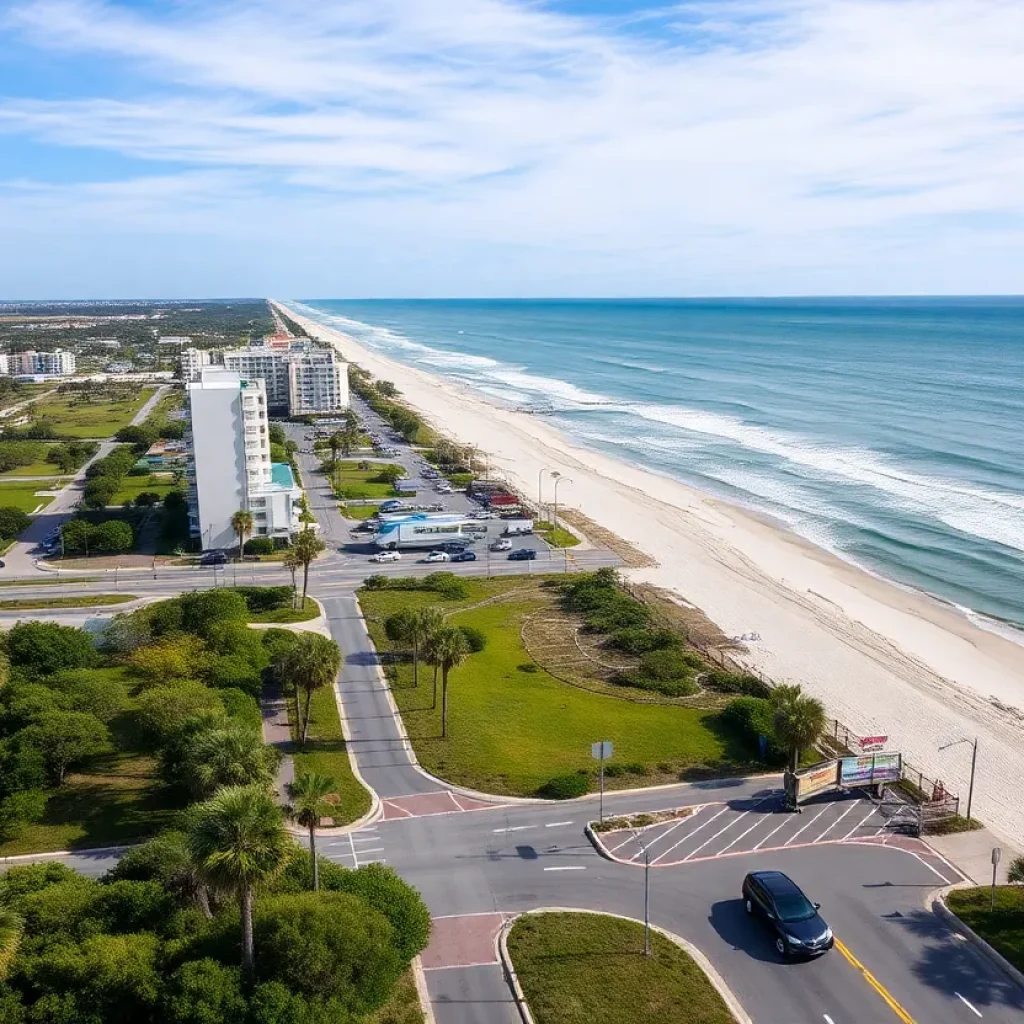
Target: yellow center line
[{"x": 875, "y": 984}]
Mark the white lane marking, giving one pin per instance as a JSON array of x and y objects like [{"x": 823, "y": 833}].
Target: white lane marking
[
  {"x": 375, "y": 860},
  {"x": 515, "y": 828},
  {"x": 624, "y": 842},
  {"x": 828, "y": 1019},
  {"x": 721, "y": 830},
  {"x": 859, "y": 824},
  {"x": 352, "y": 846},
  {"x": 557, "y": 824},
  {"x": 568, "y": 867},
  {"x": 785, "y": 821},
  {"x": 807, "y": 826},
  {"x": 760, "y": 821},
  {"x": 373, "y": 849},
  {"x": 973, "y": 1009},
  {"x": 668, "y": 831},
  {"x": 692, "y": 832},
  {"x": 836, "y": 822}
]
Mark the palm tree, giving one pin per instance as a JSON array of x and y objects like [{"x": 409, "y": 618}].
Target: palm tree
[
  {"x": 292, "y": 563},
  {"x": 335, "y": 442},
  {"x": 306, "y": 546},
  {"x": 242, "y": 524},
  {"x": 798, "y": 720},
  {"x": 312, "y": 662},
  {"x": 178, "y": 870},
  {"x": 238, "y": 840},
  {"x": 450, "y": 649},
  {"x": 10, "y": 937},
  {"x": 231, "y": 755},
  {"x": 313, "y": 796},
  {"x": 1015, "y": 876},
  {"x": 414, "y": 627}
]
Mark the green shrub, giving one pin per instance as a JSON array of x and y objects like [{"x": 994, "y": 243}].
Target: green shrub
[
  {"x": 665, "y": 665},
  {"x": 751, "y": 718},
  {"x": 13, "y": 522},
  {"x": 46, "y": 647},
  {"x": 565, "y": 787},
  {"x": 475, "y": 638},
  {"x": 447, "y": 584},
  {"x": 259, "y": 546},
  {"x": 641, "y": 639},
  {"x": 96, "y": 691},
  {"x": 722, "y": 681},
  {"x": 265, "y": 599},
  {"x": 241, "y": 707},
  {"x": 528, "y": 666}
]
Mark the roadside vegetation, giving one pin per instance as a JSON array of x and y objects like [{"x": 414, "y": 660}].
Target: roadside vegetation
[
  {"x": 95, "y": 411},
  {"x": 1001, "y": 927},
  {"x": 514, "y": 728},
  {"x": 581, "y": 968},
  {"x": 383, "y": 397},
  {"x": 80, "y": 601},
  {"x": 363, "y": 479},
  {"x": 23, "y": 497},
  {"x": 556, "y": 536}
]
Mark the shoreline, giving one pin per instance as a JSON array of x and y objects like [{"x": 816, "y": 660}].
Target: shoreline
[{"x": 883, "y": 657}]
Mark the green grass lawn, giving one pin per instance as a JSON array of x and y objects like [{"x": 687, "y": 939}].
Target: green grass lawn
[
  {"x": 75, "y": 418},
  {"x": 558, "y": 536},
  {"x": 25, "y": 393},
  {"x": 23, "y": 496},
  {"x": 358, "y": 511},
  {"x": 402, "y": 1007},
  {"x": 119, "y": 800},
  {"x": 351, "y": 482},
  {"x": 39, "y": 468},
  {"x": 326, "y": 753},
  {"x": 1002, "y": 928},
  {"x": 132, "y": 486},
  {"x": 82, "y": 601},
  {"x": 510, "y": 731},
  {"x": 311, "y": 610},
  {"x": 582, "y": 968}
]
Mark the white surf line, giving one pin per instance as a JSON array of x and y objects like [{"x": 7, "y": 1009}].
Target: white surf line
[
  {"x": 860, "y": 824},
  {"x": 807, "y": 826},
  {"x": 721, "y": 830},
  {"x": 568, "y": 867},
  {"x": 514, "y": 828},
  {"x": 352, "y": 845},
  {"x": 557, "y": 824},
  {"x": 973, "y": 1009},
  {"x": 693, "y": 832},
  {"x": 836, "y": 822}
]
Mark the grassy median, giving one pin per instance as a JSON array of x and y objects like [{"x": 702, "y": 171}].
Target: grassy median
[
  {"x": 1003, "y": 927},
  {"x": 82, "y": 601},
  {"x": 581, "y": 968}
]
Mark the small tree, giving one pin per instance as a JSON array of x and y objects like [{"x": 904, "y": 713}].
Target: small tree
[
  {"x": 313, "y": 796},
  {"x": 291, "y": 563},
  {"x": 238, "y": 840},
  {"x": 306, "y": 545},
  {"x": 242, "y": 524},
  {"x": 311, "y": 663},
  {"x": 66, "y": 739},
  {"x": 798, "y": 720},
  {"x": 390, "y": 474},
  {"x": 422, "y": 624}
]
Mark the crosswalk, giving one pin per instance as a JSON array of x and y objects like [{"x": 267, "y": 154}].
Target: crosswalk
[
  {"x": 750, "y": 825},
  {"x": 355, "y": 849}
]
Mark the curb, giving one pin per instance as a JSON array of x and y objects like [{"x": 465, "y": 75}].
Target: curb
[
  {"x": 717, "y": 981},
  {"x": 936, "y": 902},
  {"x": 420, "y": 981}
]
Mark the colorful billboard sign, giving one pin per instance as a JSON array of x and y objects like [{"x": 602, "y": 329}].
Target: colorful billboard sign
[
  {"x": 870, "y": 769},
  {"x": 873, "y": 742},
  {"x": 815, "y": 779}
]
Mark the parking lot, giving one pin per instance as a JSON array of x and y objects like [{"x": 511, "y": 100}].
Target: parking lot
[{"x": 758, "y": 824}]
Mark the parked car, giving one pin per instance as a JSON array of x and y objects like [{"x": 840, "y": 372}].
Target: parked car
[
  {"x": 444, "y": 488},
  {"x": 794, "y": 920},
  {"x": 438, "y": 556},
  {"x": 386, "y": 556},
  {"x": 523, "y": 555},
  {"x": 437, "y": 506},
  {"x": 464, "y": 556},
  {"x": 501, "y": 545},
  {"x": 213, "y": 558}
]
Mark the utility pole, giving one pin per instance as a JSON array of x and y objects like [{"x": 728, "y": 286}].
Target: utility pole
[
  {"x": 647, "y": 892},
  {"x": 974, "y": 765}
]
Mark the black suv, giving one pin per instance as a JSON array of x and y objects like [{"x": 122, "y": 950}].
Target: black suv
[
  {"x": 798, "y": 927},
  {"x": 522, "y": 555},
  {"x": 214, "y": 558}
]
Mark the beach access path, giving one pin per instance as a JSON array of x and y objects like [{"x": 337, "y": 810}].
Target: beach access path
[{"x": 884, "y": 660}]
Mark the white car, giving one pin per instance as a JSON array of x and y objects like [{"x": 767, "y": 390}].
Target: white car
[
  {"x": 386, "y": 556},
  {"x": 502, "y": 545},
  {"x": 438, "y": 556}
]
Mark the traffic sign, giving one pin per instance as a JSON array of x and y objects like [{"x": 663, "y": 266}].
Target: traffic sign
[{"x": 601, "y": 751}]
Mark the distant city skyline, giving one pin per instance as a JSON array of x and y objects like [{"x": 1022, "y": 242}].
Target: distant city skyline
[{"x": 386, "y": 148}]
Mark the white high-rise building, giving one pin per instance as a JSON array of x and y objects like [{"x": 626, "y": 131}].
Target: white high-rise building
[
  {"x": 230, "y": 467},
  {"x": 268, "y": 364},
  {"x": 191, "y": 363},
  {"x": 317, "y": 382},
  {"x": 57, "y": 363}
]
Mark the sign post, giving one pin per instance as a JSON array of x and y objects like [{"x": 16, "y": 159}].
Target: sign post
[
  {"x": 996, "y": 854},
  {"x": 601, "y": 752}
]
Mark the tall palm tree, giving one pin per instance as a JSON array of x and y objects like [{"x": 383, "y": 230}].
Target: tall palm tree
[
  {"x": 10, "y": 937},
  {"x": 423, "y": 623},
  {"x": 798, "y": 720},
  {"x": 313, "y": 796},
  {"x": 239, "y": 842},
  {"x": 242, "y": 524},
  {"x": 450, "y": 649},
  {"x": 306, "y": 546},
  {"x": 179, "y": 871},
  {"x": 335, "y": 442},
  {"x": 312, "y": 662},
  {"x": 232, "y": 755},
  {"x": 291, "y": 563}
]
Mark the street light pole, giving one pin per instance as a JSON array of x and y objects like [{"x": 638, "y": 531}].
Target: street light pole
[
  {"x": 554, "y": 516},
  {"x": 647, "y": 892},
  {"x": 974, "y": 765}
]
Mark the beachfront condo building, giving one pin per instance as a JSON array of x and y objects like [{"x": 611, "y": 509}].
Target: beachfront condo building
[
  {"x": 317, "y": 382},
  {"x": 191, "y": 363},
  {"x": 264, "y": 363},
  {"x": 57, "y": 363},
  {"x": 229, "y": 464}
]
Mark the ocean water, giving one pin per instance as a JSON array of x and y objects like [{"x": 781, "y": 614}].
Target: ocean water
[{"x": 890, "y": 431}]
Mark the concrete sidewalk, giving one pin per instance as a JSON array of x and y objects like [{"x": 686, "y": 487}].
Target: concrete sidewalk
[{"x": 971, "y": 852}]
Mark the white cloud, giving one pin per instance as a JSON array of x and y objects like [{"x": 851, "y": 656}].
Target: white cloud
[{"x": 773, "y": 141}]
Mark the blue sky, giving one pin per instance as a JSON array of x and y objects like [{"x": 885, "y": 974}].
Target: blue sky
[{"x": 502, "y": 147}]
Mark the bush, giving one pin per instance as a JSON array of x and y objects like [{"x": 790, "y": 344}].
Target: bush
[
  {"x": 447, "y": 584},
  {"x": 19, "y": 810},
  {"x": 240, "y": 707},
  {"x": 736, "y": 682},
  {"x": 113, "y": 537},
  {"x": 565, "y": 787},
  {"x": 665, "y": 665},
  {"x": 476, "y": 639},
  {"x": 264, "y": 599},
  {"x": 98, "y": 692},
  {"x": 377, "y": 581},
  {"x": 204, "y": 992},
  {"x": 163, "y": 710},
  {"x": 528, "y": 666},
  {"x": 751, "y": 718},
  {"x": 201, "y": 610},
  {"x": 46, "y": 647},
  {"x": 13, "y": 522},
  {"x": 641, "y": 639},
  {"x": 259, "y": 546}
]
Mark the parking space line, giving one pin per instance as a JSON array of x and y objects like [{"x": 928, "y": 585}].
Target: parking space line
[
  {"x": 668, "y": 831},
  {"x": 661, "y": 856},
  {"x": 515, "y": 828},
  {"x": 807, "y": 826},
  {"x": 726, "y": 829},
  {"x": 739, "y": 837},
  {"x": 836, "y": 822},
  {"x": 557, "y": 824},
  {"x": 627, "y": 840},
  {"x": 786, "y": 819}
]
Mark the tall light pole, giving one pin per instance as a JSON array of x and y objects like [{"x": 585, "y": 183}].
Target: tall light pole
[
  {"x": 974, "y": 764},
  {"x": 554, "y": 515},
  {"x": 540, "y": 490},
  {"x": 647, "y": 892}
]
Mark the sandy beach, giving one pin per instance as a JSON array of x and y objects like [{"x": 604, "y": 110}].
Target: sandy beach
[{"x": 883, "y": 659}]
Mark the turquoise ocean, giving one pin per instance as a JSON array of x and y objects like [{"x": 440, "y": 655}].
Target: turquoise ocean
[{"x": 889, "y": 431}]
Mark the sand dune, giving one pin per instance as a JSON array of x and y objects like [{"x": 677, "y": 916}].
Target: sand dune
[{"x": 883, "y": 659}]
